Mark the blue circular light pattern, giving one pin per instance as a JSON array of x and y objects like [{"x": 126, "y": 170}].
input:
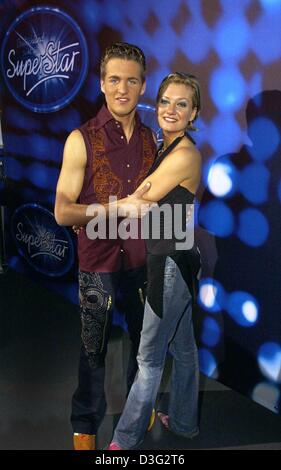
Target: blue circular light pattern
[
  {"x": 169, "y": 44},
  {"x": 217, "y": 218},
  {"x": 227, "y": 88},
  {"x": 266, "y": 43},
  {"x": 250, "y": 311},
  {"x": 211, "y": 332},
  {"x": 226, "y": 141},
  {"x": 207, "y": 168},
  {"x": 231, "y": 38},
  {"x": 196, "y": 40},
  {"x": 222, "y": 179},
  {"x": 208, "y": 363},
  {"x": 271, "y": 5},
  {"x": 269, "y": 360},
  {"x": 211, "y": 295},
  {"x": 253, "y": 227},
  {"x": 267, "y": 395},
  {"x": 254, "y": 182},
  {"x": 265, "y": 138},
  {"x": 243, "y": 308}
]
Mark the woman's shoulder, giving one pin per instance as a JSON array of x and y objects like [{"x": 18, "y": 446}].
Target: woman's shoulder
[{"x": 186, "y": 150}]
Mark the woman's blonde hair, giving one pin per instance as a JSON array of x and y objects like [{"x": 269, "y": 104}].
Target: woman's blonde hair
[{"x": 184, "y": 79}]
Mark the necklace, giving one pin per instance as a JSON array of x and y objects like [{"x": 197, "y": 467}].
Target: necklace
[
  {"x": 174, "y": 142},
  {"x": 161, "y": 150}
]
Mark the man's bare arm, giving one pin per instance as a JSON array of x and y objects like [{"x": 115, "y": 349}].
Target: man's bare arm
[
  {"x": 70, "y": 183},
  {"x": 67, "y": 210}
]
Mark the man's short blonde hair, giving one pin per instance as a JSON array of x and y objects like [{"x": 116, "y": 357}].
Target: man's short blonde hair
[{"x": 123, "y": 50}]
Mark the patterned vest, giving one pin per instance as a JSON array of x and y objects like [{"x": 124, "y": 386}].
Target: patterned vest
[{"x": 114, "y": 168}]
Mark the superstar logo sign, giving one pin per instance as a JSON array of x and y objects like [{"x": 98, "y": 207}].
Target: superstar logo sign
[
  {"x": 44, "y": 59},
  {"x": 47, "y": 247}
]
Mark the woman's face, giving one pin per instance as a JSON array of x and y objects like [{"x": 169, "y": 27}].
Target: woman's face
[{"x": 175, "y": 109}]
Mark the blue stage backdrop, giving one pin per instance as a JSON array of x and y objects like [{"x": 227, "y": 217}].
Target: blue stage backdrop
[{"x": 50, "y": 56}]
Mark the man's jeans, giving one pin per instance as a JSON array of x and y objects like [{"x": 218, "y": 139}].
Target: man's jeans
[
  {"x": 99, "y": 293},
  {"x": 173, "y": 332}
]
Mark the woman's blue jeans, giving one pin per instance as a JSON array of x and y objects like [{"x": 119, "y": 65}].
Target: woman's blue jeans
[{"x": 173, "y": 332}]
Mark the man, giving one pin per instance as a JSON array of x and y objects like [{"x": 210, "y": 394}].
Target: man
[{"x": 110, "y": 155}]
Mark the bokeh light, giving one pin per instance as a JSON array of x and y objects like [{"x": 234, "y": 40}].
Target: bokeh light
[
  {"x": 266, "y": 44},
  {"x": 254, "y": 183},
  {"x": 226, "y": 141},
  {"x": 243, "y": 308},
  {"x": 217, "y": 218},
  {"x": 265, "y": 138},
  {"x": 211, "y": 295},
  {"x": 228, "y": 42},
  {"x": 222, "y": 179},
  {"x": 253, "y": 227},
  {"x": 227, "y": 88},
  {"x": 271, "y": 5},
  {"x": 211, "y": 332},
  {"x": 196, "y": 40},
  {"x": 208, "y": 363},
  {"x": 269, "y": 360}
]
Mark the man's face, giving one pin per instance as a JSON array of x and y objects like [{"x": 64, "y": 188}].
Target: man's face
[{"x": 122, "y": 86}]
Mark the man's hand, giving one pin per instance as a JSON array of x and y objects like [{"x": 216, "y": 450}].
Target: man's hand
[
  {"x": 77, "y": 229},
  {"x": 134, "y": 205}
]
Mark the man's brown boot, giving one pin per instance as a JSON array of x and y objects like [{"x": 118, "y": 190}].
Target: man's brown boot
[{"x": 84, "y": 441}]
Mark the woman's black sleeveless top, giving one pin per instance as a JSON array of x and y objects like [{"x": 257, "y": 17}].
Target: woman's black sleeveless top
[{"x": 165, "y": 238}]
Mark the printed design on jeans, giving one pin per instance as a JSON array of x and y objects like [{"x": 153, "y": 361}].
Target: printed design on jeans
[{"x": 95, "y": 304}]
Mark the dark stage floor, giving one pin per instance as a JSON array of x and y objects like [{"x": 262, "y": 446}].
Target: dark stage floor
[{"x": 39, "y": 348}]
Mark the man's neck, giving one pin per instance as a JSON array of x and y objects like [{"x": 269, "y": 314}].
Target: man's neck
[
  {"x": 128, "y": 123},
  {"x": 128, "y": 127}
]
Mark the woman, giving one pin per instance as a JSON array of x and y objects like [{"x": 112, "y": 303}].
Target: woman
[{"x": 171, "y": 273}]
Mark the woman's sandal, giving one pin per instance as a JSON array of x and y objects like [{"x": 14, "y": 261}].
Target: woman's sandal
[{"x": 164, "y": 419}]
